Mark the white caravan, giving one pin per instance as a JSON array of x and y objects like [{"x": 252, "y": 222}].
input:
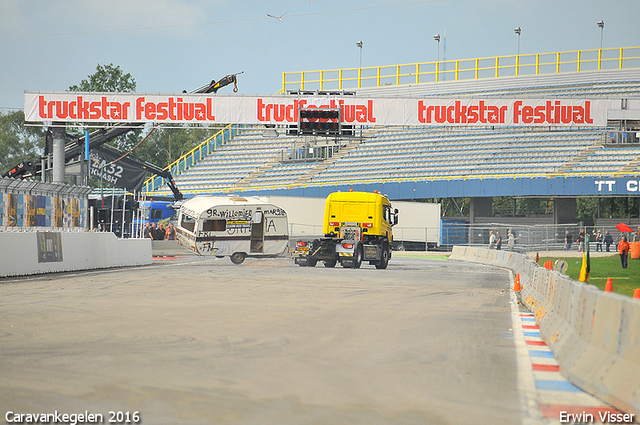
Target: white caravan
[{"x": 233, "y": 226}]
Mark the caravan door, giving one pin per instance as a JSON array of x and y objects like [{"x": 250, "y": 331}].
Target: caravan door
[{"x": 257, "y": 232}]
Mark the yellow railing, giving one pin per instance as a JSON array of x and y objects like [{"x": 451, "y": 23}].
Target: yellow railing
[
  {"x": 385, "y": 180},
  {"x": 191, "y": 157},
  {"x": 464, "y": 69}
]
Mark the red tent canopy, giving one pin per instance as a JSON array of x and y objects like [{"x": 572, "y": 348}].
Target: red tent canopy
[{"x": 624, "y": 228}]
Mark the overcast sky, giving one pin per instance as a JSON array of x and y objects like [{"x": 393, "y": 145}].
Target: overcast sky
[{"x": 169, "y": 46}]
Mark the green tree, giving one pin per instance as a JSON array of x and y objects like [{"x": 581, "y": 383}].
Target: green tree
[
  {"x": 18, "y": 142},
  {"x": 107, "y": 78},
  {"x": 587, "y": 208},
  {"x": 613, "y": 207},
  {"x": 110, "y": 78},
  {"x": 454, "y": 207}
]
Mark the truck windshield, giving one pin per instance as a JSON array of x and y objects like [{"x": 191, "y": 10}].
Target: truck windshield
[{"x": 156, "y": 214}]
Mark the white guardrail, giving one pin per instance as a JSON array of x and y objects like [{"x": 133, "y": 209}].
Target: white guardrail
[{"x": 594, "y": 335}]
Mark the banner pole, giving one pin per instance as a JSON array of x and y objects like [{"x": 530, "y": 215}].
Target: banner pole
[{"x": 86, "y": 155}]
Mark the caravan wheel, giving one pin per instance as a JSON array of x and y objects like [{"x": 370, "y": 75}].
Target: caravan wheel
[{"x": 238, "y": 257}]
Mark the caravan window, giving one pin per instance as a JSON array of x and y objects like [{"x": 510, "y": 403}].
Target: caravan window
[
  {"x": 214, "y": 225},
  {"x": 187, "y": 223}
]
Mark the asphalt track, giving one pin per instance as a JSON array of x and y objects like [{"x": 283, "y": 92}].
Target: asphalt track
[{"x": 201, "y": 341}]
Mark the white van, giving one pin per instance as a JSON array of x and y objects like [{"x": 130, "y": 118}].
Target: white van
[{"x": 233, "y": 226}]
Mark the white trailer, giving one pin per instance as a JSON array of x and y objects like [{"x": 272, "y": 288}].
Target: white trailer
[
  {"x": 419, "y": 221},
  {"x": 233, "y": 226}
]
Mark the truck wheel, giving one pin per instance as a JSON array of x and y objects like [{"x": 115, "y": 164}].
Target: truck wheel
[
  {"x": 238, "y": 257},
  {"x": 311, "y": 262},
  {"x": 330, "y": 263},
  {"x": 357, "y": 259},
  {"x": 384, "y": 259}
]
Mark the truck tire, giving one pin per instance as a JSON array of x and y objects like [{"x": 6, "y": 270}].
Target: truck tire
[
  {"x": 384, "y": 259},
  {"x": 311, "y": 262},
  {"x": 353, "y": 262},
  {"x": 357, "y": 258},
  {"x": 330, "y": 263},
  {"x": 238, "y": 257}
]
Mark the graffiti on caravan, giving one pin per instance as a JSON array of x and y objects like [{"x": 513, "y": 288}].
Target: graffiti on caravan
[
  {"x": 245, "y": 214},
  {"x": 275, "y": 212}
]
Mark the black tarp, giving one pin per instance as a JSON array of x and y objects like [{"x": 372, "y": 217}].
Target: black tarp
[{"x": 125, "y": 173}]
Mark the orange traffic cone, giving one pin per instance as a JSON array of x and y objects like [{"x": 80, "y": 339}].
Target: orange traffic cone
[
  {"x": 608, "y": 287},
  {"x": 516, "y": 285},
  {"x": 636, "y": 293}
]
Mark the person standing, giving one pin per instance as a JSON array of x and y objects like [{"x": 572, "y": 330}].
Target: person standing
[
  {"x": 623, "y": 249},
  {"x": 498, "y": 240},
  {"x": 492, "y": 240},
  {"x": 147, "y": 232},
  {"x": 568, "y": 240},
  {"x": 159, "y": 234},
  {"x": 171, "y": 233},
  {"x": 599, "y": 241},
  {"x": 511, "y": 240},
  {"x": 608, "y": 240},
  {"x": 581, "y": 236}
]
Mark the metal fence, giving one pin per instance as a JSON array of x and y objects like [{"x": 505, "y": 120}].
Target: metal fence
[
  {"x": 527, "y": 238},
  {"x": 466, "y": 69}
]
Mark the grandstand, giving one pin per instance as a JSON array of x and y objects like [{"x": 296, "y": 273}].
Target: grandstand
[{"x": 249, "y": 161}]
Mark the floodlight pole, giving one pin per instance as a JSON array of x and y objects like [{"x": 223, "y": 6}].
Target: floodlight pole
[
  {"x": 437, "y": 38},
  {"x": 360, "y": 44},
  {"x": 518, "y": 31},
  {"x": 601, "y": 26}
]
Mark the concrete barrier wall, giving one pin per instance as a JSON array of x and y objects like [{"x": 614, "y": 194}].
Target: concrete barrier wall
[
  {"x": 19, "y": 252},
  {"x": 594, "y": 335}
]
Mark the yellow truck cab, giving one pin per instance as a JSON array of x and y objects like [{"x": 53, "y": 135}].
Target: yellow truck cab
[{"x": 357, "y": 227}]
